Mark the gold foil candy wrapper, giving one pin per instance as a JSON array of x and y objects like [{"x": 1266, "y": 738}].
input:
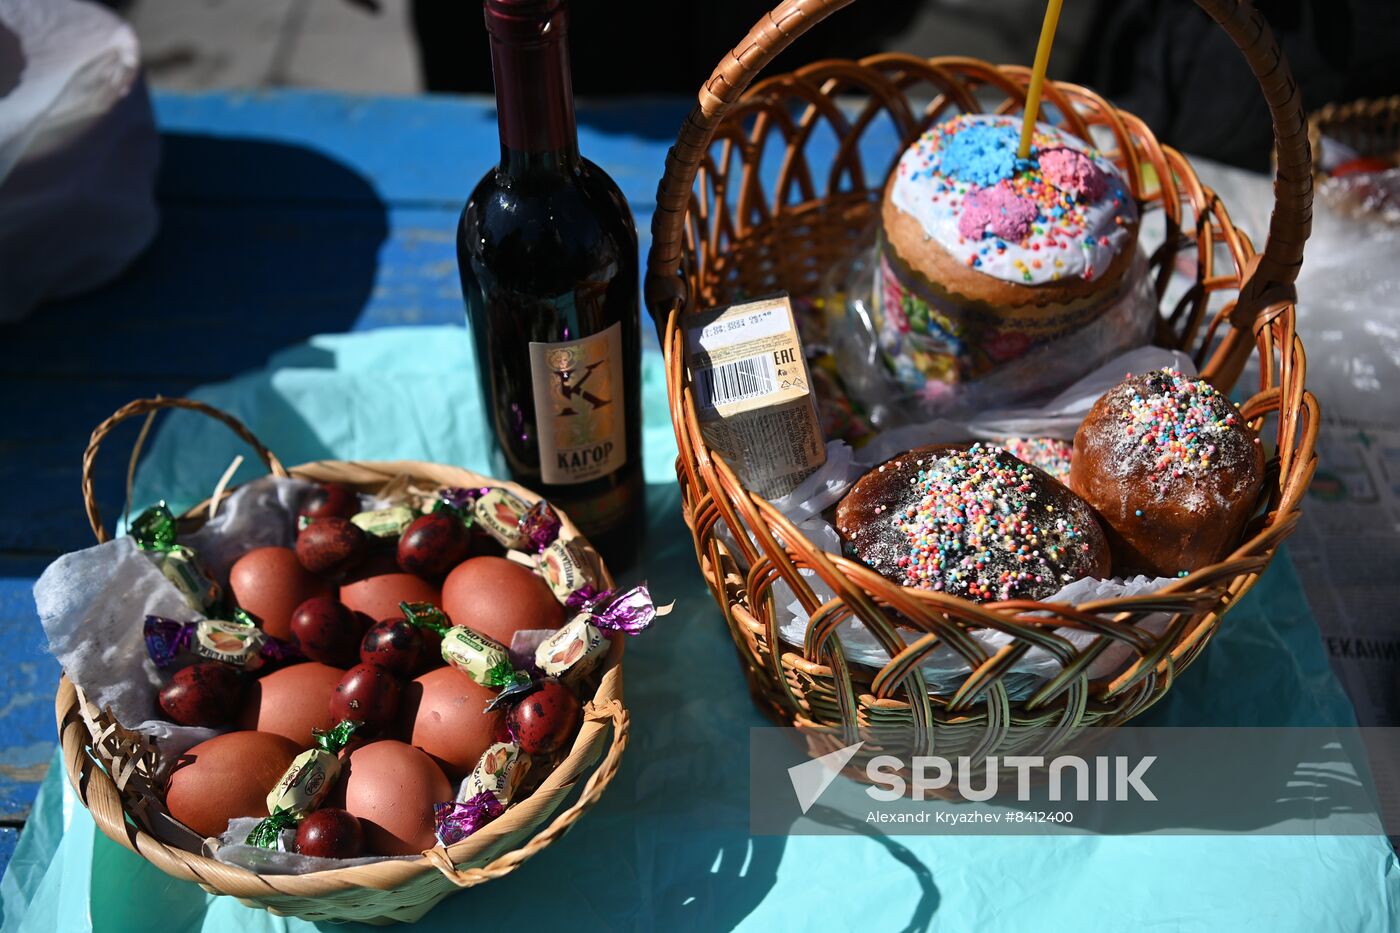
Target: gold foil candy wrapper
[
  {"x": 384, "y": 523},
  {"x": 499, "y": 772},
  {"x": 572, "y": 652},
  {"x": 568, "y": 568},
  {"x": 182, "y": 567},
  {"x": 305, "y": 783},
  {"x": 234, "y": 643},
  {"x": 499, "y": 512}
]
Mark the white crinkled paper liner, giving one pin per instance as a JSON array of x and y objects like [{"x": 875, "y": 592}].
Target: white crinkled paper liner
[
  {"x": 92, "y": 604},
  {"x": 944, "y": 669}
]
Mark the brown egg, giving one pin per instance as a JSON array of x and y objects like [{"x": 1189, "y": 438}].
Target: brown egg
[
  {"x": 498, "y": 597},
  {"x": 291, "y": 702},
  {"x": 443, "y": 713},
  {"x": 378, "y": 597},
  {"x": 392, "y": 787},
  {"x": 270, "y": 583},
  {"x": 226, "y": 777}
]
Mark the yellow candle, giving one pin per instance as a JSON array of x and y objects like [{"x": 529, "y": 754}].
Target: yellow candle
[{"x": 1042, "y": 61}]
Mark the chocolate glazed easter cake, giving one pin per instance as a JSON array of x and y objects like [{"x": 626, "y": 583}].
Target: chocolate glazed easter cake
[
  {"x": 973, "y": 522},
  {"x": 985, "y": 257},
  {"x": 1172, "y": 470}
]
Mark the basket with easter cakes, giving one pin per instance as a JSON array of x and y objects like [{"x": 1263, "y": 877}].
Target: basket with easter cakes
[
  {"x": 1036, "y": 498},
  {"x": 341, "y": 691}
]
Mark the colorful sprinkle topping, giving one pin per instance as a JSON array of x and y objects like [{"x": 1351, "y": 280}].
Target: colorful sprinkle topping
[
  {"x": 981, "y": 526},
  {"x": 1047, "y": 453},
  {"x": 1177, "y": 423},
  {"x": 1063, "y": 212}
]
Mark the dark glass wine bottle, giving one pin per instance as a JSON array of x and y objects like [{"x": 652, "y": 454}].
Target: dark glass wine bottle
[{"x": 547, "y": 252}]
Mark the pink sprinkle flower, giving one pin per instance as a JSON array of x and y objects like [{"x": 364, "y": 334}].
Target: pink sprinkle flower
[
  {"x": 1073, "y": 171},
  {"x": 1006, "y": 213}
]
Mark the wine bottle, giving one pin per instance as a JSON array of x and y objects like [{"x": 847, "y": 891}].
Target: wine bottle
[{"x": 547, "y": 252}]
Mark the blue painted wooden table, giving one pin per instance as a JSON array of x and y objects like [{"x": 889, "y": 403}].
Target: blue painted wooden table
[{"x": 283, "y": 215}]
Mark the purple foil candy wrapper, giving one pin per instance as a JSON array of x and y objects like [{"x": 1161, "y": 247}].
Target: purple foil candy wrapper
[
  {"x": 166, "y": 639},
  {"x": 540, "y": 526},
  {"x": 630, "y": 612},
  {"x": 456, "y": 821},
  {"x": 459, "y": 498},
  {"x": 585, "y": 596},
  {"x": 277, "y": 651}
]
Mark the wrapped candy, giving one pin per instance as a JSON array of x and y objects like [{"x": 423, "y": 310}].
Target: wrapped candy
[
  {"x": 499, "y": 772},
  {"x": 304, "y": 785},
  {"x": 237, "y": 642},
  {"x": 509, "y": 519},
  {"x": 457, "y": 820},
  {"x": 384, "y": 523},
  {"x": 154, "y": 532},
  {"x": 570, "y": 571},
  {"x": 484, "y": 660},
  {"x": 576, "y": 649}
]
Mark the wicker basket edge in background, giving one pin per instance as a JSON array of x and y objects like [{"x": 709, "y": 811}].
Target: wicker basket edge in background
[
  {"x": 718, "y": 235},
  {"x": 117, "y": 790},
  {"x": 1370, "y": 126}
]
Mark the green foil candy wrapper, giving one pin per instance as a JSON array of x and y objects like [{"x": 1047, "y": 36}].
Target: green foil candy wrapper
[
  {"x": 483, "y": 659},
  {"x": 154, "y": 532},
  {"x": 304, "y": 785},
  {"x": 385, "y": 523}
]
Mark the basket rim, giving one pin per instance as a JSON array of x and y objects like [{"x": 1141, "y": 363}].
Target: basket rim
[{"x": 605, "y": 706}]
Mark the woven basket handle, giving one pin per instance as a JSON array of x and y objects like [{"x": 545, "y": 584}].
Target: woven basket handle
[
  {"x": 592, "y": 790},
  {"x": 146, "y": 406},
  {"x": 1268, "y": 283}
]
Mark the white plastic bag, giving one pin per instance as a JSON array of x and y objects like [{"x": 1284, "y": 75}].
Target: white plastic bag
[{"x": 78, "y": 151}]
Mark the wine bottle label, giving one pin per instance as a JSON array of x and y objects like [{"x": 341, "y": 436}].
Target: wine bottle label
[
  {"x": 579, "y": 414},
  {"x": 752, "y": 393}
]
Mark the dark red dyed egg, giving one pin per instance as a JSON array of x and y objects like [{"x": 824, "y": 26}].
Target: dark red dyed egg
[
  {"x": 434, "y": 544},
  {"x": 545, "y": 719},
  {"x": 330, "y": 500},
  {"x": 331, "y": 545},
  {"x": 394, "y": 645},
  {"x": 330, "y": 833},
  {"x": 368, "y": 694},
  {"x": 327, "y": 631},
  {"x": 207, "y": 694}
]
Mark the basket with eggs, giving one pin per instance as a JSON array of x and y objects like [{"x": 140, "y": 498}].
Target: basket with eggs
[{"x": 341, "y": 691}]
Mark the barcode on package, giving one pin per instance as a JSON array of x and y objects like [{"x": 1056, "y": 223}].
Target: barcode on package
[{"x": 738, "y": 381}]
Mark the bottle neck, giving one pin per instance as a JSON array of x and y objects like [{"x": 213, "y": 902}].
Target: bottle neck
[{"x": 534, "y": 90}]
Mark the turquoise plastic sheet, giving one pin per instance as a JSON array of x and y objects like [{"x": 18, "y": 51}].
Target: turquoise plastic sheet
[{"x": 668, "y": 846}]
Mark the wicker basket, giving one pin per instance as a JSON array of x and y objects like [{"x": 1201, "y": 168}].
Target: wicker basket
[
  {"x": 1371, "y": 127},
  {"x": 718, "y": 235},
  {"x": 111, "y": 768}
]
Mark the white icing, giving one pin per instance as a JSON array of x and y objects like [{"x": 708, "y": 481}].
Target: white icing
[{"x": 936, "y": 202}]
